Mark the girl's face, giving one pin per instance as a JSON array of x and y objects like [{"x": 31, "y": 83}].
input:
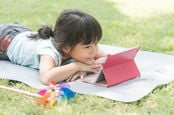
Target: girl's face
[{"x": 84, "y": 53}]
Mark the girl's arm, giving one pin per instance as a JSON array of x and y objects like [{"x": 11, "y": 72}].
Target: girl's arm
[
  {"x": 49, "y": 71},
  {"x": 100, "y": 54}
]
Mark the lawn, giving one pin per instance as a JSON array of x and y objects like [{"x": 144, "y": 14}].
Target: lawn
[{"x": 120, "y": 28}]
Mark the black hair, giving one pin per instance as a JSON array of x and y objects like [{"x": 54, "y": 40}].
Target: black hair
[
  {"x": 75, "y": 26},
  {"x": 45, "y": 32},
  {"x": 72, "y": 27}
]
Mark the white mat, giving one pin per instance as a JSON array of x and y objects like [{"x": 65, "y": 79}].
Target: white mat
[{"x": 155, "y": 69}]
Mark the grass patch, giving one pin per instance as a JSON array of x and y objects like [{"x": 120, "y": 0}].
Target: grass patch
[{"x": 152, "y": 34}]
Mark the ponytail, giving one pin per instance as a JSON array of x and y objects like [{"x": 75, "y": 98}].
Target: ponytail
[{"x": 45, "y": 32}]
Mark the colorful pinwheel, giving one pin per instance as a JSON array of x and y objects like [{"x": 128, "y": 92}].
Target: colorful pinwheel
[{"x": 55, "y": 93}]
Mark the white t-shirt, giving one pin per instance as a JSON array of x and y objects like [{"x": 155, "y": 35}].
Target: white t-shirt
[{"x": 25, "y": 51}]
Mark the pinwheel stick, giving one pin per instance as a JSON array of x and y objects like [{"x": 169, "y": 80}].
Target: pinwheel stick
[{"x": 20, "y": 91}]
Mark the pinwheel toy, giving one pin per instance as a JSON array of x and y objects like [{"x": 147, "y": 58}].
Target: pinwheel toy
[
  {"x": 54, "y": 94},
  {"x": 51, "y": 95}
]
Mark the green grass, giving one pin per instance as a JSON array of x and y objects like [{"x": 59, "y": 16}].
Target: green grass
[{"x": 152, "y": 34}]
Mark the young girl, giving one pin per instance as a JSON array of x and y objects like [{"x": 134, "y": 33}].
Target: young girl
[{"x": 66, "y": 53}]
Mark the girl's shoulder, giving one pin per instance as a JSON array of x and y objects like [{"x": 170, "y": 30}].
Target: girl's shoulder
[{"x": 23, "y": 35}]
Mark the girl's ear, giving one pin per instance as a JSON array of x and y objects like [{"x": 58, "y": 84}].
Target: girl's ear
[{"x": 66, "y": 49}]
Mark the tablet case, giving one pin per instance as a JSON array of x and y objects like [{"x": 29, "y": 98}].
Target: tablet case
[{"x": 117, "y": 68}]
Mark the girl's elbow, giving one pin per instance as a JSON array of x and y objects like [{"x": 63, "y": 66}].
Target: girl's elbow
[{"x": 45, "y": 80}]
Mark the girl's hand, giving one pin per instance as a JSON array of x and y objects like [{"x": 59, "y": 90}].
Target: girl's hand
[
  {"x": 78, "y": 74},
  {"x": 100, "y": 60},
  {"x": 83, "y": 69},
  {"x": 94, "y": 67}
]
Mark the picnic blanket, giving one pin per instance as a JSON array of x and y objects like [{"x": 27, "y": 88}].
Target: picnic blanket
[{"x": 155, "y": 68}]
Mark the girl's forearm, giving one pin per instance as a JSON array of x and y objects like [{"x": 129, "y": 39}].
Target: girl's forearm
[
  {"x": 100, "y": 54},
  {"x": 60, "y": 73}
]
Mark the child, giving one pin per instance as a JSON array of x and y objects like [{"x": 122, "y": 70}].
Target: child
[{"x": 75, "y": 38}]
